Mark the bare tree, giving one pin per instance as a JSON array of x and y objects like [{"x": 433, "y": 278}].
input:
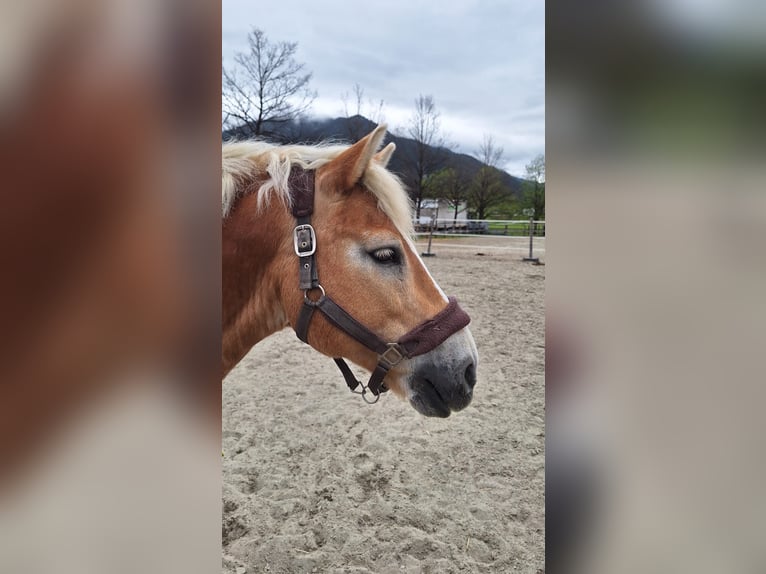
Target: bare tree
[
  {"x": 534, "y": 192},
  {"x": 487, "y": 190},
  {"x": 424, "y": 127},
  {"x": 265, "y": 86},
  {"x": 356, "y": 113},
  {"x": 489, "y": 153}
]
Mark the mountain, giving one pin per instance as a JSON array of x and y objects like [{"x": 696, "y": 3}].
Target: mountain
[{"x": 312, "y": 130}]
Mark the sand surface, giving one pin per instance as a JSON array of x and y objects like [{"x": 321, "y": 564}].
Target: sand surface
[{"x": 317, "y": 481}]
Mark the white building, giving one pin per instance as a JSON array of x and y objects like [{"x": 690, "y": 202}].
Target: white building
[{"x": 442, "y": 209}]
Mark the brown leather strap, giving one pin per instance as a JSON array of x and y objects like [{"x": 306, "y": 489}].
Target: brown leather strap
[
  {"x": 301, "y": 184},
  {"x": 424, "y": 338},
  {"x": 432, "y": 333},
  {"x": 348, "y": 374},
  {"x": 308, "y": 277},
  {"x": 304, "y": 320},
  {"x": 345, "y": 322},
  {"x": 375, "y": 384}
]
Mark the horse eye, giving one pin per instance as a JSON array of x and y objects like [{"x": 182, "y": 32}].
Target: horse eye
[{"x": 385, "y": 255}]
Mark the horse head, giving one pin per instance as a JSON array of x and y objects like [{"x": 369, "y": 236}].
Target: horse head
[
  {"x": 367, "y": 263},
  {"x": 338, "y": 242}
]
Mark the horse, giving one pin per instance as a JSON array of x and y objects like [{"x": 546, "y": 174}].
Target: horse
[{"x": 319, "y": 238}]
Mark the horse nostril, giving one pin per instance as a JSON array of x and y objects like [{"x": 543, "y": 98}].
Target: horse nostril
[{"x": 470, "y": 375}]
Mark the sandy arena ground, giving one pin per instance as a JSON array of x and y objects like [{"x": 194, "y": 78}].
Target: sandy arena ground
[{"x": 317, "y": 481}]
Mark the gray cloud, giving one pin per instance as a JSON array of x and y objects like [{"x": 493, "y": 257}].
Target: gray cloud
[{"x": 482, "y": 60}]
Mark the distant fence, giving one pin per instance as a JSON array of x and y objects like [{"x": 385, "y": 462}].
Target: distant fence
[{"x": 482, "y": 227}]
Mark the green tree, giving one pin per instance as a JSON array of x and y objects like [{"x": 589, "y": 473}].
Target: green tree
[
  {"x": 487, "y": 189},
  {"x": 451, "y": 185},
  {"x": 507, "y": 208},
  {"x": 534, "y": 188}
]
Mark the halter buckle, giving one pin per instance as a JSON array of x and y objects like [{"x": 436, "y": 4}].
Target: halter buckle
[
  {"x": 392, "y": 356},
  {"x": 304, "y": 240}
]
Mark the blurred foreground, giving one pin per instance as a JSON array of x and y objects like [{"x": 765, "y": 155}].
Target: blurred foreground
[
  {"x": 655, "y": 309},
  {"x": 109, "y": 402}
]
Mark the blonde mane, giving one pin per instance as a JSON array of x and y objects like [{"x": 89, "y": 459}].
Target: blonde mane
[{"x": 243, "y": 162}]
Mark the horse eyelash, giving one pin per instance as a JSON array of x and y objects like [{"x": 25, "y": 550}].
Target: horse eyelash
[{"x": 386, "y": 255}]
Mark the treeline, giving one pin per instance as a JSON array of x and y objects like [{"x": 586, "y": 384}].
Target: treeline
[{"x": 484, "y": 193}]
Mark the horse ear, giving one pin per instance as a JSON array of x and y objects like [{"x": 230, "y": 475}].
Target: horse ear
[
  {"x": 345, "y": 171},
  {"x": 384, "y": 155}
]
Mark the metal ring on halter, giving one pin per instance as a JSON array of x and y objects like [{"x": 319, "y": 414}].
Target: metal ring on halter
[
  {"x": 311, "y": 301},
  {"x": 364, "y": 392},
  {"x": 366, "y": 400}
]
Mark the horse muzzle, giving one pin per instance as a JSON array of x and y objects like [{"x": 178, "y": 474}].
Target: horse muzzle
[{"x": 442, "y": 381}]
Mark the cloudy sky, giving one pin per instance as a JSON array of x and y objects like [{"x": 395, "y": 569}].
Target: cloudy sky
[{"x": 482, "y": 60}]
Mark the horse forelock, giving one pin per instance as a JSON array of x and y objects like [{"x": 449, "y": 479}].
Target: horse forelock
[{"x": 264, "y": 168}]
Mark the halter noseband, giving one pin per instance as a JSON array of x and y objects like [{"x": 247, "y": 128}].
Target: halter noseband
[{"x": 422, "y": 339}]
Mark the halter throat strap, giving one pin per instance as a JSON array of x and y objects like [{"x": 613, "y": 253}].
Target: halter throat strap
[{"x": 420, "y": 340}]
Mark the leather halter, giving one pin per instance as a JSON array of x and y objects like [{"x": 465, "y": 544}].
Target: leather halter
[{"x": 420, "y": 340}]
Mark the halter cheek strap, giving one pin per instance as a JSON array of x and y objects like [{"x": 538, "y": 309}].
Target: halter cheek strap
[
  {"x": 422, "y": 339},
  {"x": 304, "y": 238}
]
